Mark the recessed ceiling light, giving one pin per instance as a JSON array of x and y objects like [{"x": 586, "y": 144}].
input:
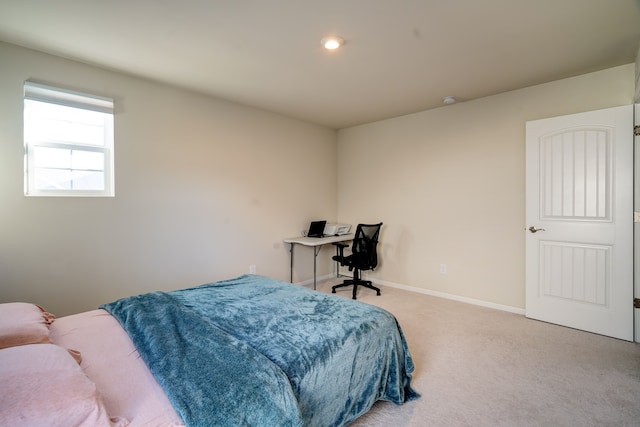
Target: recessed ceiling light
[
  {"x": 332, "y": 42},
  {"x": 449, "y": 99}
]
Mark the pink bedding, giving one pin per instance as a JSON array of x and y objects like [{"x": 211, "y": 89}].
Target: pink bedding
[
  {"x": 111, "y": 361},
  {"x": 42, "y": 385}
]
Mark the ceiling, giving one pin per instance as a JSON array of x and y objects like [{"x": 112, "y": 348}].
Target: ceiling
[{"x": 400, "y": 56}]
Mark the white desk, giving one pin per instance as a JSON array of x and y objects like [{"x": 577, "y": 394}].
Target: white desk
[{"x": 316, "y": 243}]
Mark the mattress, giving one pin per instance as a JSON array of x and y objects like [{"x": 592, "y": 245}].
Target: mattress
[{"x": 111, "y": 361}]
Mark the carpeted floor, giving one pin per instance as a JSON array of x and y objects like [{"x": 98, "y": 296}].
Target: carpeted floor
[{"x": 477, "y": 366}]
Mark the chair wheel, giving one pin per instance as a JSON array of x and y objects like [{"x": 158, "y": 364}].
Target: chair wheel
[{"x": 333, "y": 291}]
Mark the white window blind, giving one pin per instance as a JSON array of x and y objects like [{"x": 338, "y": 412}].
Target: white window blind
[{"x": 68, "y": 140}]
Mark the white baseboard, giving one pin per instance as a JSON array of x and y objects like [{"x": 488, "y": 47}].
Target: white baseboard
[{"x": 445, "y": 295}]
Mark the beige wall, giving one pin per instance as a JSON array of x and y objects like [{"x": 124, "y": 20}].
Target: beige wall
[
  {"x": 449, "y": 185},
  {"x": 204, "y": 188}
]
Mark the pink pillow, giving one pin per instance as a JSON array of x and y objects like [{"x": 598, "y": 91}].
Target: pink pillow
[
  {"x": 23, "y": 323},
  {"x": 43, "y": 385}
]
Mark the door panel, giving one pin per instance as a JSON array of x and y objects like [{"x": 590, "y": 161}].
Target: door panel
[
  {"x": 579, "y": 265},
  {"x": 576, "y": 174},
  {"x": 575, "y": 272}
]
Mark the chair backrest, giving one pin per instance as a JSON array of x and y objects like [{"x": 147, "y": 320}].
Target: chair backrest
[{"x": 364, "y": 249}]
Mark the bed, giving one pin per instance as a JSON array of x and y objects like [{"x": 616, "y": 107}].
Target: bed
[{"x": 245, "y": 351}]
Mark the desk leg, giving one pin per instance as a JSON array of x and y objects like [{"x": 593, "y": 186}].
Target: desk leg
[
  {"x": 291, "y": 256},
  {"x": 316, "y": 251}
]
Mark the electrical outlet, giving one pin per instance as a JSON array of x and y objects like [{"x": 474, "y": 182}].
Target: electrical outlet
[
  {"x": 252, "y": 269},
  {"x": 443, "y": 268}
]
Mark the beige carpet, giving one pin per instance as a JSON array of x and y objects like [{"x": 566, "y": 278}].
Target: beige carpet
[{"x": 477, "y": 366}]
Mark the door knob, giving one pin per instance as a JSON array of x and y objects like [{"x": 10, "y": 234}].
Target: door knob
[{"x": 534, "y": 230}]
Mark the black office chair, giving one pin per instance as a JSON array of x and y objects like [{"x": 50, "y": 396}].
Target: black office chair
[{"x": 364, "y": 256}]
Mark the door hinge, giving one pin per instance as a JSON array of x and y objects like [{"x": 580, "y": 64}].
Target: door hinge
[
  {"x": 636, "y": 302},
  {"x": 636, "y": 130},
  {"x": 636, "y": 217}
]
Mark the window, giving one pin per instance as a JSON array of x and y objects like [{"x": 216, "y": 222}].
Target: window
[{"x": 68, "y": 138}]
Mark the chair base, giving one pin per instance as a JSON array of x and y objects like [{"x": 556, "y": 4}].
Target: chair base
[{"x": 355, "y": 284}]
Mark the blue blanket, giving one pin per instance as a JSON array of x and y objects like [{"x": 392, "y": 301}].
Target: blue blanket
[{"x": 256, "y": 351}]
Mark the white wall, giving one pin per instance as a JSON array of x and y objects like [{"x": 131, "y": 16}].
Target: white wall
[
  {"x": 449, "y": 184},
  {"x": 204, "y": 188}
]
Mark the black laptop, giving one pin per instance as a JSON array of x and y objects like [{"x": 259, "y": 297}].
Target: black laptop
[{"x": 316, "y": 229}]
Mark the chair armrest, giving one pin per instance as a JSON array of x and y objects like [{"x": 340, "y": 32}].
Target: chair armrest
[{"x": 339, "y": 256}]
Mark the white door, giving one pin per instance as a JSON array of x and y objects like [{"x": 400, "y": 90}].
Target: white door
[{"x": 579, "y": 218}]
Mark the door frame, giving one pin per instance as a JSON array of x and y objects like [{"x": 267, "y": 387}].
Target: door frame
[{"x": 636, "y": 208}]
